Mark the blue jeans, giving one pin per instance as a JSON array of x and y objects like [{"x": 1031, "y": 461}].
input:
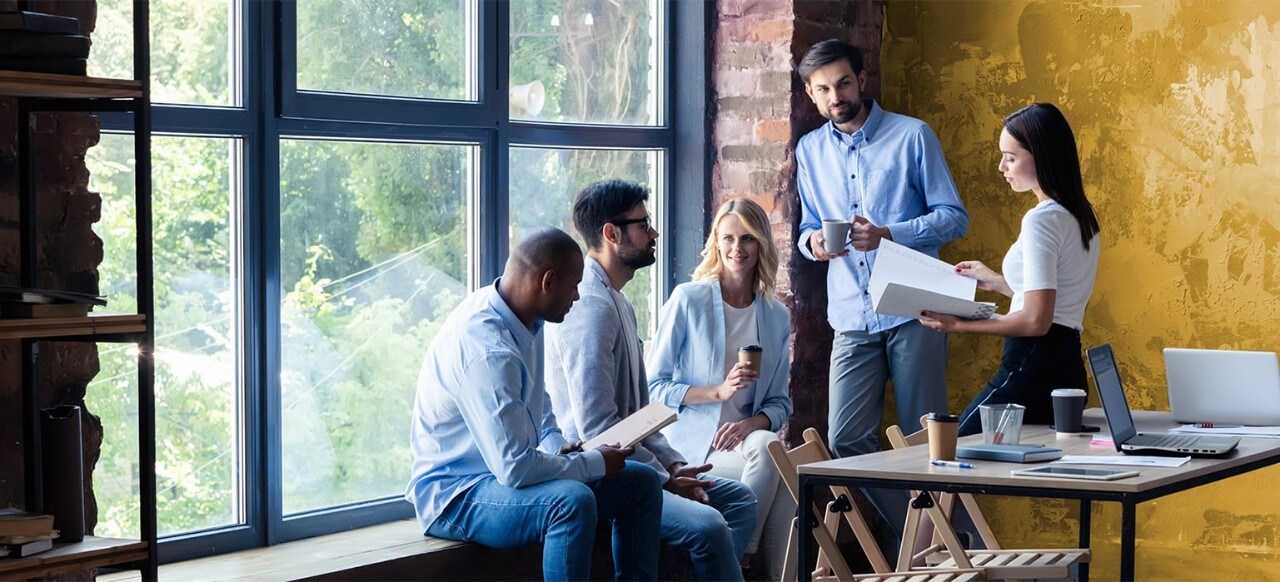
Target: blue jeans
[
  {"x": 562, "y": 515},
  {"x": 715, "y": 535}
]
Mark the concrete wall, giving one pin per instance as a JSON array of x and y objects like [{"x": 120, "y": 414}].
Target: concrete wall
[{"x": 1176, "y": 107}]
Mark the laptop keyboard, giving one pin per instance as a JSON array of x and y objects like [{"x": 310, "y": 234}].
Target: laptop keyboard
[{"x": 1165, "y": 441}]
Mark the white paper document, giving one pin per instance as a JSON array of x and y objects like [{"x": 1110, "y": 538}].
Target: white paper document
[
  {"x": 905, "y": 282},
  {"x": 1127, "y": 460},
  {"x": 1266, "y": 432},
  {"x": 634, "y": 428}
]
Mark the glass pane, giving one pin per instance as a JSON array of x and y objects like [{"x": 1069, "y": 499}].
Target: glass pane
[
  {"x": 373, "y": 257},
  {"x": 585, "y": 61},
  {"x": 195, "y": 56},
  {"x": 545, "y": 181},
  {"x": 403, "y": 48},
  {"x": 199, "y": 451}
]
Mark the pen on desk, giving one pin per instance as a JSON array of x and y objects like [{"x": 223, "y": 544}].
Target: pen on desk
[
  {"x": 1216, "y": 425},
  {"x": 952, "y": 464}
]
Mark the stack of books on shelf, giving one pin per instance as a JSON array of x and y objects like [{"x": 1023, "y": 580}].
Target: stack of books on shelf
[
  {"x": 22, "y": 302},
  {"x": 42, "y": 43},
  {"x": 24, "y": 533}
]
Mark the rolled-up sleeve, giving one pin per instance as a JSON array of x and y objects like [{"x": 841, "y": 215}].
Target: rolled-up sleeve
[{"x": 945, "y": 218}]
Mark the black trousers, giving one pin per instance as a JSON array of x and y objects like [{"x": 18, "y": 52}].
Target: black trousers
[{"x": 1030, "y": 369}]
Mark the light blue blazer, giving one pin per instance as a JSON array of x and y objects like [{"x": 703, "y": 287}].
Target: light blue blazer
[{"x": 688, "y": 350}]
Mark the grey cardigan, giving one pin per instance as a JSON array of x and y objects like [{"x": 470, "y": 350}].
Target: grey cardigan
[{"x": 589, "y": 372}]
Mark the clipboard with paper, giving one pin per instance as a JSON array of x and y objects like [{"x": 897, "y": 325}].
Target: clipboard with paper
[
  {"x": 905, "y": 282},
  {"x": 635, "y": 428}
]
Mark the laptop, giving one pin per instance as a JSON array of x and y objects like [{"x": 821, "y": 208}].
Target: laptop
[
  {"x": 1223, "y": 386},
  {"x": 1102, "y": 362}
]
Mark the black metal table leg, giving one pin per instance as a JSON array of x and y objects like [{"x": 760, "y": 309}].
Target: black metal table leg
[
  {"x": 1086, "y": 513},
  {"x": 1128, "y": 535}
]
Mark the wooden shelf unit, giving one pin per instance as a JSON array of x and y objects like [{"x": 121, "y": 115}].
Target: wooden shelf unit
[
  {"x": 93, "y": 552},
  {"x": 42, "y": 92}
]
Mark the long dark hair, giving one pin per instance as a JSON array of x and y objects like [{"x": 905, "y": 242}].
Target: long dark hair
[{"x": 1043, "y": 131}]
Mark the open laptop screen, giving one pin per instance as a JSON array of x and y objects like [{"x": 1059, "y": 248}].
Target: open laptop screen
[{"x": 1107, "y": 378}]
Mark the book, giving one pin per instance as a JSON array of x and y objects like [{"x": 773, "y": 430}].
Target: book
[
  {"x": 1009, "y": 453},
  {"x": 634, "y": 428},
  {"x": 905, "y": 282},
  {"x": 28, "y": 548},
  {"x": 32, "y": 44},
  {"x": 12, "y": 293},
  {"x": 44, "y": 310},
  {"x": 39, "y": 22},
  {"x": 16, "y": 522},
  {"x": 53, "y": 66},
  {"x": 9, "y": 540}
]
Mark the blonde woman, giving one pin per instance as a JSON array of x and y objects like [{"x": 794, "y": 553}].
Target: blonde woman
[{"x": 728, "y": 412}]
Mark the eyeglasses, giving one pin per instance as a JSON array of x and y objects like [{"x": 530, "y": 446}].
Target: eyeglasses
[{"x": 647, "y": 221}]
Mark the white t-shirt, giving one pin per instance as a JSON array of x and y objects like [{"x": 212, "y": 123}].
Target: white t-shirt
[
  {"x": 739, "y": 330},
  {"x": 1049, "y": 255}
]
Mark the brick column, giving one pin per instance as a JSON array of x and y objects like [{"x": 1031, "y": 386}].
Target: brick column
[
  {"x": 761, "y": 112},
  {"x": 68, "y": 253}
]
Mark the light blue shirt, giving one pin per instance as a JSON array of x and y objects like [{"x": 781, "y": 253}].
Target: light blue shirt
[
  {"x": 892, "y": 172},
  {"x": 689, "y": 350},
  {"x": 481, "y": 409}
]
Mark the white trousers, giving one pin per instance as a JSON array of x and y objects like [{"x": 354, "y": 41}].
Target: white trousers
[{"x": 751, "y": 464}]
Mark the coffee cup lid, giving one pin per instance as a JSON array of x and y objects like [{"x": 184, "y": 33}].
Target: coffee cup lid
[
  {"x": 751, "y": 348},
  {"x": 1068, "y": 392},
  {"x": 942, "y": 417}
]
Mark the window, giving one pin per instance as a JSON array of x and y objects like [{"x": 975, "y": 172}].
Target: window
[{"x": 331, "y": 177}]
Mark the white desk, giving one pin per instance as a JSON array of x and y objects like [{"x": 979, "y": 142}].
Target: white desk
[{"x": 910, "y": 469}]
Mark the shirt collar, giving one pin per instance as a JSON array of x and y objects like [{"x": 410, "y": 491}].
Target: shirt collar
[
  {"x": 868, "y": 129},
  {"x": 524, "y": 335}
]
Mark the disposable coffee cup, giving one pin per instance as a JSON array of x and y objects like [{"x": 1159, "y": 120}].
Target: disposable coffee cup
[
  {"x": 835, "y": 234},
  {"x": 1068, "y": 409},
  {"x": 751, "y": 354},
  {"x": 1001, "y": 423},
  {"x": 943, "y": 429}
]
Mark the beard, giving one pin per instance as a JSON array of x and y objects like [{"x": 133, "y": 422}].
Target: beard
[
  {"x": 636, "y": 256},
  {"x": 850, "y": 112}
]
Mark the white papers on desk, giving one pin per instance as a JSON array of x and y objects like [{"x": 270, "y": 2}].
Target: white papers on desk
[
  {"x": 905, "y": 282},
  {"x": 1127, "y": 460},
  {"x": 1266, "y": 432}
]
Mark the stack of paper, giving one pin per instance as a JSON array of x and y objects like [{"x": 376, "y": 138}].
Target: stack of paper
[{"x": 905, "y": 282}]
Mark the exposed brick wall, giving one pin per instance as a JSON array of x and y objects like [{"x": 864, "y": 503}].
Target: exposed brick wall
[
  {"x": 68, "y": 253},
  {"x": 761, "y": 112}
]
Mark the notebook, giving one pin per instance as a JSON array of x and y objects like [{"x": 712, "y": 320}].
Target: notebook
[
  {"x": 1223, "y": 386},
  {"x": 1102, "y": 363}
]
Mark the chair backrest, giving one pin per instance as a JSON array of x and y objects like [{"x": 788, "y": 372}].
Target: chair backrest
[
  {"x": 813, "y": 451},
  {"x": 898, "y": 440}
]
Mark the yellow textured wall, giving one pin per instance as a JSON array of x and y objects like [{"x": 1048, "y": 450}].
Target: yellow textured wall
[{"x": 1176, "y": 107}]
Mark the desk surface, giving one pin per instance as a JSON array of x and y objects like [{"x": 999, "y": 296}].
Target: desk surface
[{"x": 912, "y": 464}]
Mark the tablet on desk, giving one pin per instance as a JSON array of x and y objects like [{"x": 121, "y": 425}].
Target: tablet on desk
[{"x": 1057, "y": 471}]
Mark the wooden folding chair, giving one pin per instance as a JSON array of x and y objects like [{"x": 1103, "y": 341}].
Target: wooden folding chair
[
  {"x": 831, "y": 564},
  {"x": 997, "y": 562}
]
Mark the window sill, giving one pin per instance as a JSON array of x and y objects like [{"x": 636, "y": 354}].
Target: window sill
[{"x": 395, "y": 550}]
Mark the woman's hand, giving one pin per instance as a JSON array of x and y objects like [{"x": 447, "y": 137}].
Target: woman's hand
[
  {"x": 731, "y": 434},
  {"x": 739, "y": 378},
  {"x": 988, "y": 279},
  {"x": 940, "y": 321}
]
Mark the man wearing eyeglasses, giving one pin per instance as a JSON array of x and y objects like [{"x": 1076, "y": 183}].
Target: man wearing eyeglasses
[{"x": 595, "y": 376}]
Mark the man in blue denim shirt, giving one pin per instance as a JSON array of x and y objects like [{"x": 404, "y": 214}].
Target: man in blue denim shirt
[{"x": 885, "y": 174}]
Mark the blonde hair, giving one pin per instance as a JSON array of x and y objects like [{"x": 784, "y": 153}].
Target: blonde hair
[{"x": 754, "y": 219}]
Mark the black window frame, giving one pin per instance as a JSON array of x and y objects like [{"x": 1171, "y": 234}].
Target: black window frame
[{"x": 273, "y": 109}]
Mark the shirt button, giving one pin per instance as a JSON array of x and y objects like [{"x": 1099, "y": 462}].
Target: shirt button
[
  {"x": 862, "y": 264},
  {"x": 852, "y": 176},
  {"x": 855, "y": 205}
]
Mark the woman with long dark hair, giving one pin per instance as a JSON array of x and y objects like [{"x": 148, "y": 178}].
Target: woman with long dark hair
[{"x": 1049, "y": 271}]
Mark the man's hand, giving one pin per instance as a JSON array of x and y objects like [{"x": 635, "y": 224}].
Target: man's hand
[
  {"x": 818, "y": 246},
  {"x": 614, "y": 459},
  {"x": 739, "y": 378},
  {"x": 866, "y": 236},
  {"x": 684, "y": 482},
  {"x": 574, "y": 447}
]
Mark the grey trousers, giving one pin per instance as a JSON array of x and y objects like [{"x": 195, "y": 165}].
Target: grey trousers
[{"x": 915, "y": 358}]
